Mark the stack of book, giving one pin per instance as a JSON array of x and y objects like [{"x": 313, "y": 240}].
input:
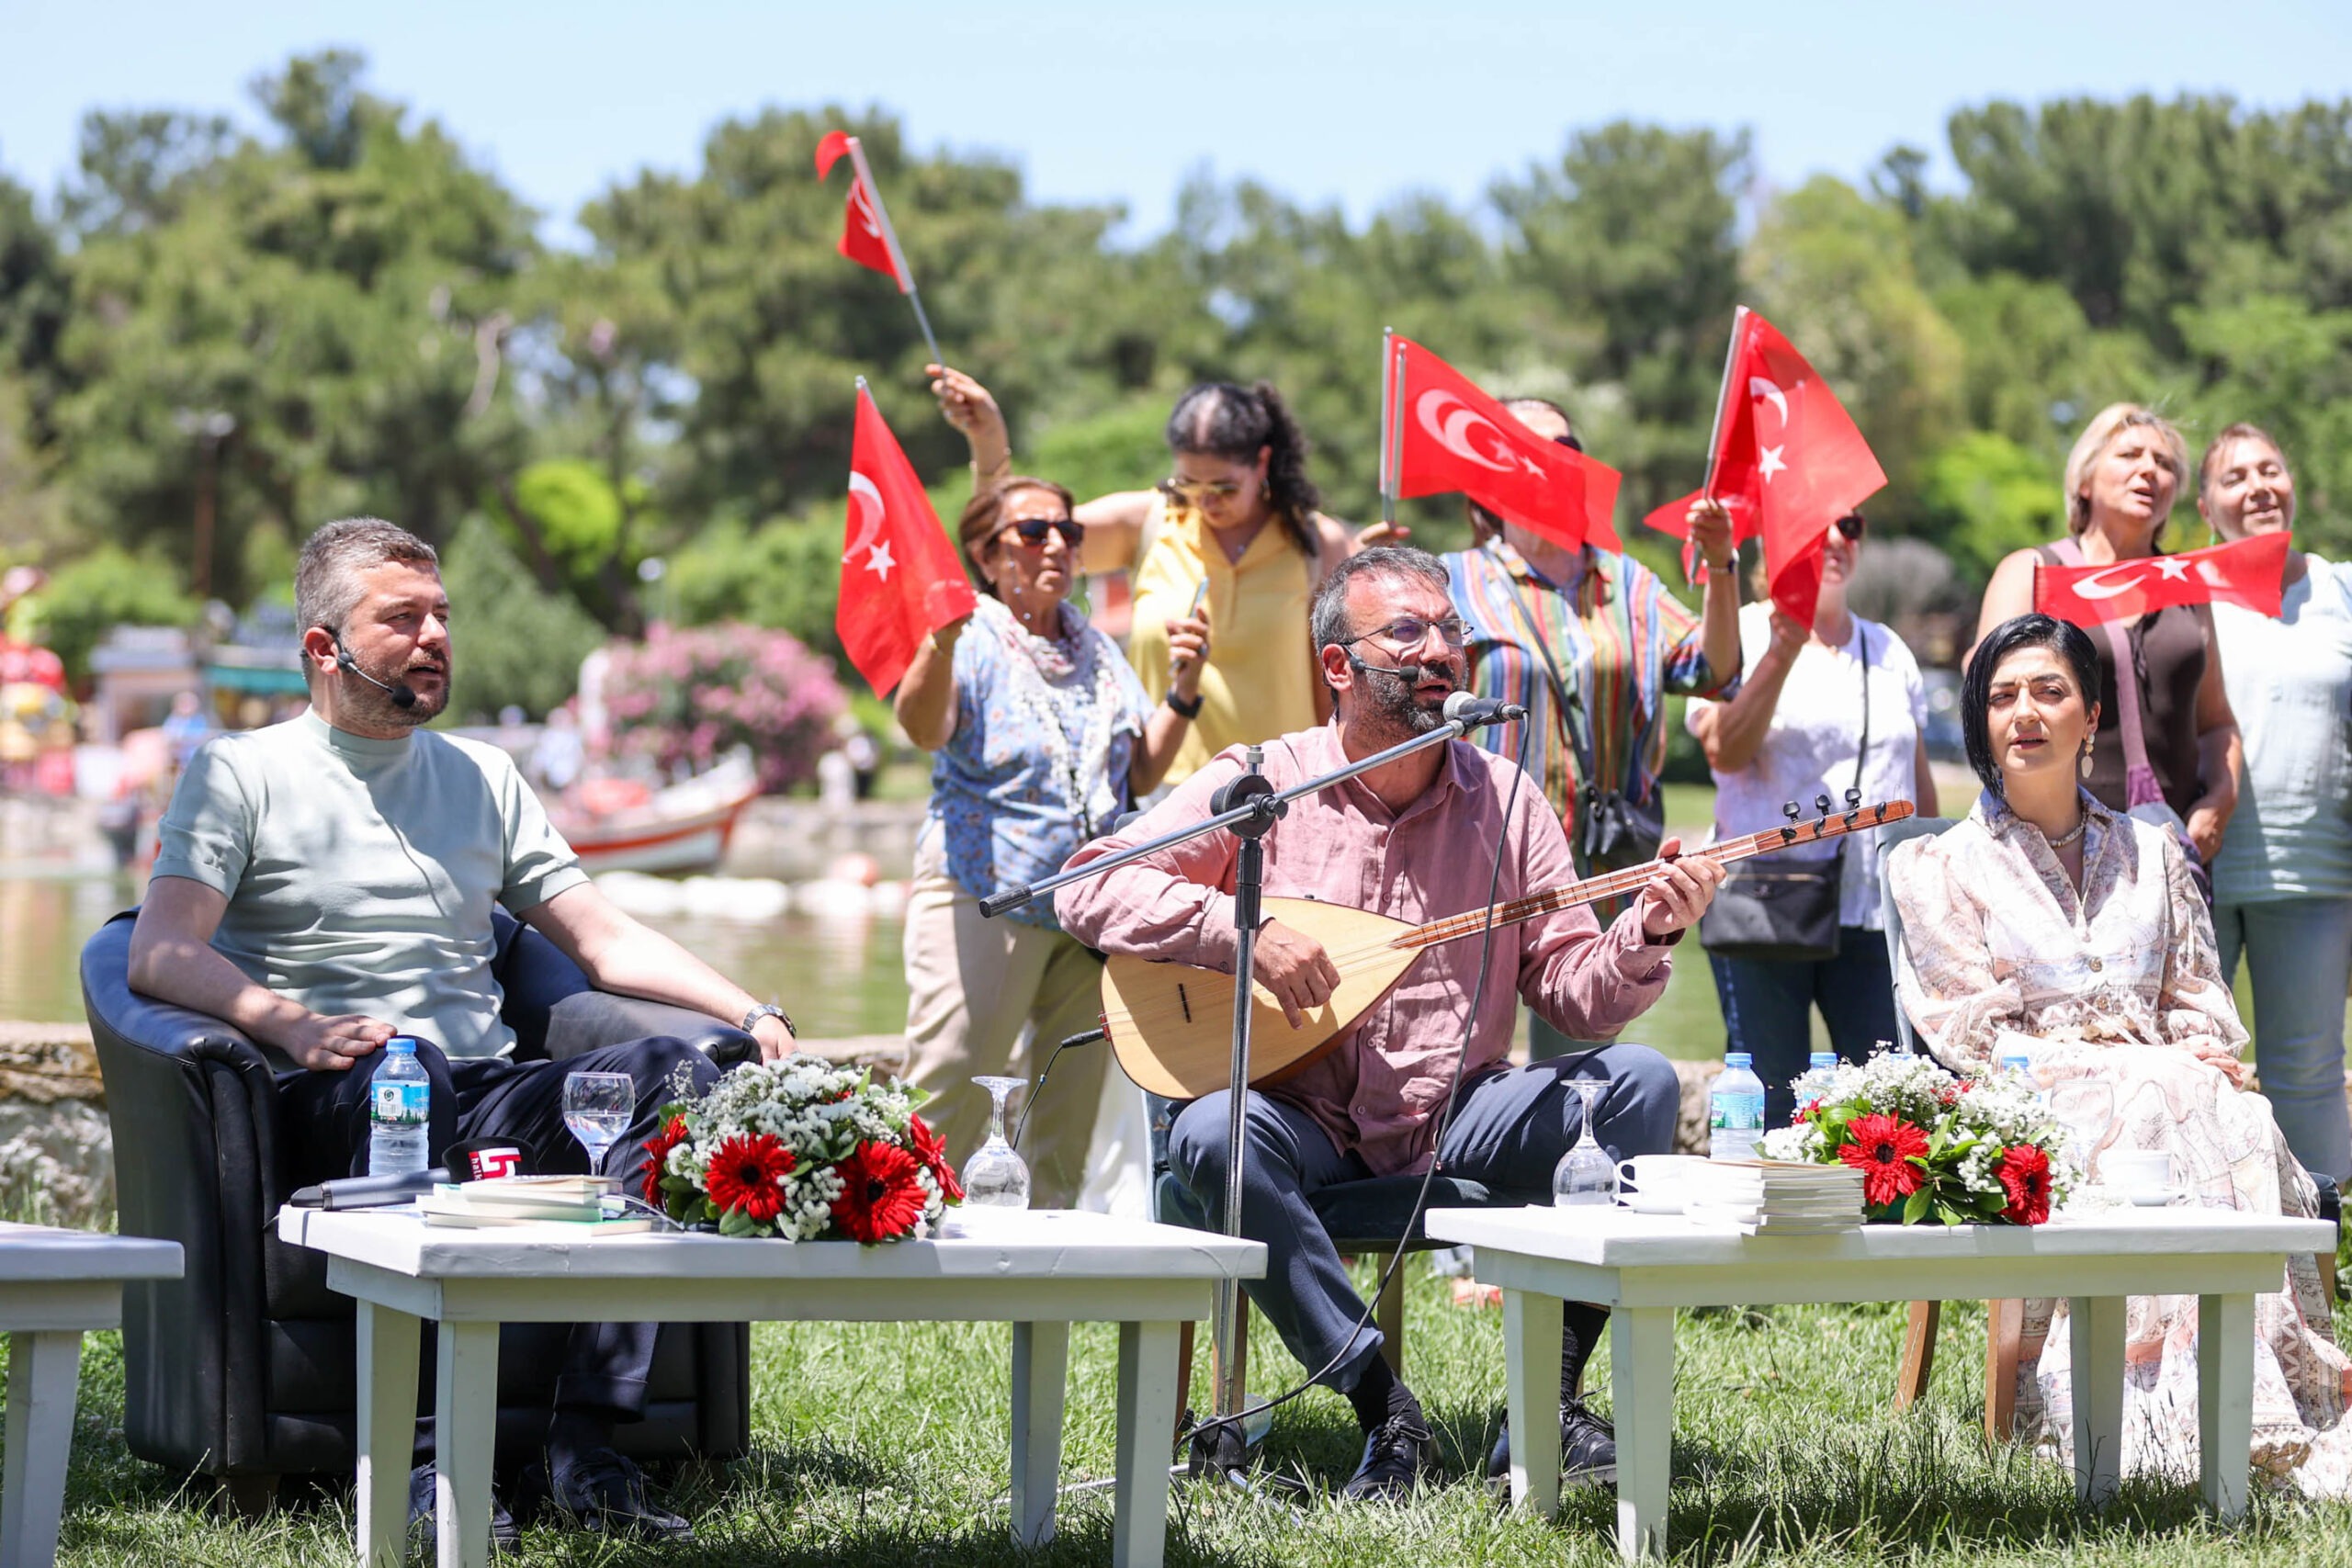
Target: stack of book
[
  {"x": 1775, "y": 1197},
  {"x": 570, "y": 1201}
]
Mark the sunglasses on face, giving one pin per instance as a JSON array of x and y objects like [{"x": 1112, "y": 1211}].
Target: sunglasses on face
[
  {"x": 1034, "y": 531},
  {"x": 1410, "y": 632},
  {"x": 1851, "y": 525},
  {"x": 1193, "y": 492}
]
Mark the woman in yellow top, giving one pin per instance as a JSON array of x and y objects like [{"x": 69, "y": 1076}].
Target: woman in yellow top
[{"x": 1233, "y": 538}]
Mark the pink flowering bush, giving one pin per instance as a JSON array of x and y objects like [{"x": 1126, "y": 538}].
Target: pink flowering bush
[{"x": 691, "y": 697}]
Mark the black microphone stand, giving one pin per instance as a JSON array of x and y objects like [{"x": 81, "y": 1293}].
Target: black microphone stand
[{"x": 1248, "y": 806}]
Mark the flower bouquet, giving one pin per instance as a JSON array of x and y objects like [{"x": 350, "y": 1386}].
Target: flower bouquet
[
  {"x": 804, "y": 1150},
  {"x": 1930, "y": 1145}
]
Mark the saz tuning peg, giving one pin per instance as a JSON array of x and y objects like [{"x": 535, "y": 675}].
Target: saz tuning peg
[
  {"x": 1821, "y": 804},
  {"x": 1853, "y": 800}
]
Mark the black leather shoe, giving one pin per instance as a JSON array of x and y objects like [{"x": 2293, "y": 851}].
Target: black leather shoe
[
  {"x": 1587, "y": 1449},
  {"x": 421, "y": 1494},
  {"x": 1398, "y": 1454},
  {"x": 602, "y": 1490}
]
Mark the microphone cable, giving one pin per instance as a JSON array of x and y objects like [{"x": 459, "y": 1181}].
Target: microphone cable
[{"x": 1437, "y": 1136}]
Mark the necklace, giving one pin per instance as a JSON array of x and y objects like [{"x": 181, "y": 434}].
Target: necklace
[{"x": 2082, "y": 820}]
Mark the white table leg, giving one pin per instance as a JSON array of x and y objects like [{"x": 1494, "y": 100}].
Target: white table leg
[
  {"x": 1531, "y": 1395},
  {"x": 2094, "y": 1325},
  {"x": 1641, "y": 1393},
  {"x": 2225, "y": 1400},
  {"x": 388, "y": 1354},
  {"x": 465, "y": 1436},
  {"x": 1148, "y": 1396},
  {"x": 1040, "y": 1376},
  {"x": 44, "y": 1374}
]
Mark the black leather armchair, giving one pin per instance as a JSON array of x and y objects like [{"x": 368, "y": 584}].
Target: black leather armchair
[{"x": 245, "y": 1369}]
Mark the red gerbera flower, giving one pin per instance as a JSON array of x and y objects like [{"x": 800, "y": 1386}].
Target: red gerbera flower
[
  {"x": 931, "y": 1149},
  {"x": 881, "y": 1198},
  {"x": 2025, "y": 1177},
  {"x": 746, "y": 1176},
  {"x": 1883, "y": 1149},
  {"x": 657, "y": 1156}
]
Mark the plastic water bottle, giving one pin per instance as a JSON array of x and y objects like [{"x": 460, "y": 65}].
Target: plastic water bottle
[
  {"x": 1813, "y": 1084},
  {"x": 400, "y": 1105},
  {"x": 1735, "y": 1110}
]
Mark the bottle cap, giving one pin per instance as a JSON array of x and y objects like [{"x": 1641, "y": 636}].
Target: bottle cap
[
  {"x": 402, "y": 1042},
  {"x": 1825, "y": 1059},
  {"x": 1736, "y": 1059}
]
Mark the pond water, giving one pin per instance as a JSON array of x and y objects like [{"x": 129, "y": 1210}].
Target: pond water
[{"x": 838, "y": 974}]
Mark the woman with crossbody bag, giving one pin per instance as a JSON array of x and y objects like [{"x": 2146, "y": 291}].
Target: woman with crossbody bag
[{"x": 1834, "y": 708}]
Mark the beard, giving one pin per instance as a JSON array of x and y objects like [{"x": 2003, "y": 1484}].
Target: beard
[
  {"x": 377, "y": 706},
  {"x": 1400, "y": 709}
]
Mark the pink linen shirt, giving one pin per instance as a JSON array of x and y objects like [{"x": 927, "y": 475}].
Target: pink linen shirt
[{"x": 1377, "y": 1090}]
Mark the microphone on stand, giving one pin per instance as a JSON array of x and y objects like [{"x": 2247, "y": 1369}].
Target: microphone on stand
[
  {"x": 1473, "y": 711},
  {"x": 475, "y": 1159},
  {"x": 399, "y": 692}
]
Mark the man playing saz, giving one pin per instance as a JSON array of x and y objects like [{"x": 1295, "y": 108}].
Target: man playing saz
[{"x": 1414, "y": 839}]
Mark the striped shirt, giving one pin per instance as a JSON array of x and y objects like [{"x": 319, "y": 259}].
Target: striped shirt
[{"x": 1614, "y": 633}]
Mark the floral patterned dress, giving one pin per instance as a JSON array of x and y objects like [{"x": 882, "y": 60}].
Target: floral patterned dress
[{"x": 2119, "y": 981}]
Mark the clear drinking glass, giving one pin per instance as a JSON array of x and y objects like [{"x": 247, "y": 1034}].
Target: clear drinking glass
[
  {"x": 996, "y": 1177},
  {"x": 1586, "y": 1173},
  {"x": 2086, "y": 1108},
  {"x": 597, "y": 1108}
]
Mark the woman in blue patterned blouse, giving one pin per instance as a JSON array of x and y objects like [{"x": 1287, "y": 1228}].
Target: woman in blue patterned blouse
[{"x": 1041, "y": 734}]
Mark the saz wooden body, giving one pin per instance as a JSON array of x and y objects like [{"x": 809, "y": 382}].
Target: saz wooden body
[
  {"x": 1186, "y": 1014},
  {"x": 1172, "y": 1025}
]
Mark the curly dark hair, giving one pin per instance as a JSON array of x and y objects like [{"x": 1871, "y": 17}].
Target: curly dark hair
[
  {"x": 2032, "y": 630},
  {"x": 1218, "y": 418}
]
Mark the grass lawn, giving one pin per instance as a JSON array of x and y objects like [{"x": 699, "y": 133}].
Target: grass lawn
[{"x": 884, "y": 1445}]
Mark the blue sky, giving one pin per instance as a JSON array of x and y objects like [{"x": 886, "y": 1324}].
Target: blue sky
[{"x": 1115, "y": 102}]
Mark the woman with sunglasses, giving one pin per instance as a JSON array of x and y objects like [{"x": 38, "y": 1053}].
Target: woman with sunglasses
[
  {"x": 1820, "y": 710},
  {"x": 1234, "y": 537},
  {"x": 1041, "y": 735}
]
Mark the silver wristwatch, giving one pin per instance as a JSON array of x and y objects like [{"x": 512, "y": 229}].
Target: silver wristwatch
[{"x": 768, "y": 1010}]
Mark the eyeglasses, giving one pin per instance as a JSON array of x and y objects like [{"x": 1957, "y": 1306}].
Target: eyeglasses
[
  {"x": 1410, "y": 632},
  {"x": 1851, "y": 524},
  {"x": 1033, "y": 531},
  {"x": 1192, "y": 492}
]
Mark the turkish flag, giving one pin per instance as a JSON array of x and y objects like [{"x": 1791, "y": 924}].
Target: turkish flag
[
  {"x": 866, "y": 234},
  {"x": 2246, "y": 573},
  {"x": 901, "y": 579},
  {"x": 1451, "y": 437},
  {"x": 1787, "y": 462}
]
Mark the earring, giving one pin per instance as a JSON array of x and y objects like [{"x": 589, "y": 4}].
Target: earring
[{"x": 2088, "y": 747}]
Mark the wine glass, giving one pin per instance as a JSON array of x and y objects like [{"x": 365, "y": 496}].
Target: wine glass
[
  {"x": 597, "y": 1108},
  {"x": 1586, "y": 1173},
  {"x": 2086, "y": 1108},
  {"x": 996, "y": 1177}
]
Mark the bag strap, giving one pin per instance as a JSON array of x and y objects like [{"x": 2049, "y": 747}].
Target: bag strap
[
  {"x": 1863, "y": 638},
  {"x": 1569, "y": 700},
  {"x": 2140, "y": 786}
]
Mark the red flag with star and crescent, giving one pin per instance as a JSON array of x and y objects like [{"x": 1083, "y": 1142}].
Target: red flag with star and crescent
[
  {"x": 1451, "y": 436},
  {"x": 866, "y": 232},
  {"x": 1787, "y": 462},
  {"x": 2246, "y": 573},
  {"x": 901, "y": 579}
]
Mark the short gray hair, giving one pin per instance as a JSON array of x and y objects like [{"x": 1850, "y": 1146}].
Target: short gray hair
[
  {"x": 326, "y": 579},
  {"x": 1328, "y": 620}
]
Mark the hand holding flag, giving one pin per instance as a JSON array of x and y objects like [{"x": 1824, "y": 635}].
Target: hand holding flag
[
  {"x": 2246, "y": 573},
  {"x": 867, "y": 238},
  {"x": 1786, "y": 462},
  {"x": 901, "y": 579}
]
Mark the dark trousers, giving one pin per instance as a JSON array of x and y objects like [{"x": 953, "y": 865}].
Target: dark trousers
[
  {"x": 1768, "y": 1010},
  {"x": 1510, "y": 1128},
  {"x": 603, "y": 1364}
]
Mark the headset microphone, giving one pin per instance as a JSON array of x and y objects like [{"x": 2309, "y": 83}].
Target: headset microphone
[
  {"x": 401, "y": 696},
  {"x": 1410, "y": 674}
]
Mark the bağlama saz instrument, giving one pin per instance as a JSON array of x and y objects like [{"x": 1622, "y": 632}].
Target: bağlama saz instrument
[{"x": 1172, "y": 1025}]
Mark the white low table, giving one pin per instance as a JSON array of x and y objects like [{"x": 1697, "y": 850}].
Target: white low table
[
  {"x": 55, "y": 1285},
  {"x": 1041, "y": 1272},
  {"x": 1644, "y": 1267}
]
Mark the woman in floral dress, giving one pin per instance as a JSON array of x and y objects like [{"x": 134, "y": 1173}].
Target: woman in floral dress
[{"x": 2047, "y": 920}]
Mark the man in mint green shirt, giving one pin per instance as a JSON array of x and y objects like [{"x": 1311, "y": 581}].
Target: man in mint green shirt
[{"x": 327, "y": 882}]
